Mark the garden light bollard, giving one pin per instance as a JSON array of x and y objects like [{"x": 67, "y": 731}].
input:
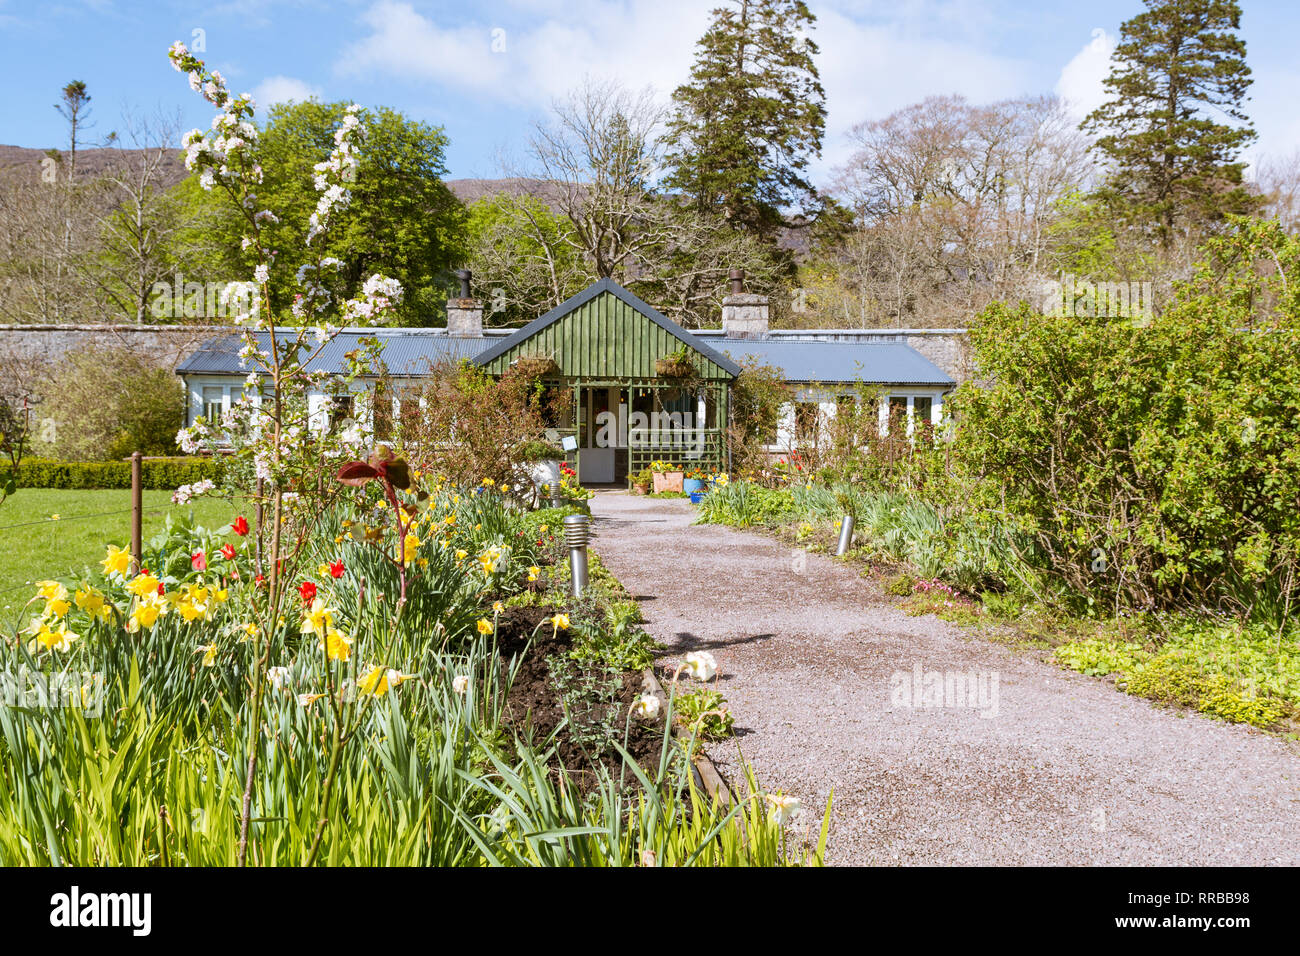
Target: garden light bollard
[
  {"x": 576, "y": 531},
  {"x": 557, "y": 497},
  {"x": 846, "y": 536}
]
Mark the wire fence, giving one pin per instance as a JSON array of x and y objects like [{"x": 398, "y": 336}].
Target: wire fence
[{"x": 61, "y": 518}]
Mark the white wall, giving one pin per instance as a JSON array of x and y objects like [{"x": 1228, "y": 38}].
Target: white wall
[{"x": 785, "y": 435}]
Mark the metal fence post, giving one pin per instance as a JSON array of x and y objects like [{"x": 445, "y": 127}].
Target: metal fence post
[{"x": 137, "y": 511}]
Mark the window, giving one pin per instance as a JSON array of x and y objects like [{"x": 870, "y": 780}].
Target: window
[
  {"x": 806, "y": 416},
  {"x": 383, "y": 422},
  {"x": 922, "y": 406},
  {"x": 214, "y": 397},
  {"x": 408, "y": 410},
  {"x": 897, "y": 414},
  {"x": 341, "y": 408}
]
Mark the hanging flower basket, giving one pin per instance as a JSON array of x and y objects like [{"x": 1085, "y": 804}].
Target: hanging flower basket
[
  {"x": 675, "y": 366},
  {"x": 535, "y": 366}
]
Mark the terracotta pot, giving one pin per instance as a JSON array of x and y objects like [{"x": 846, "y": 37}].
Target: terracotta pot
[{"x": 668, "y": 481}]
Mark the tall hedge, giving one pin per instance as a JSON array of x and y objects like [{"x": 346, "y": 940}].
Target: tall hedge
[
  {"x": 1156, "y": 465},
  {"x": 164, "y": 474}
]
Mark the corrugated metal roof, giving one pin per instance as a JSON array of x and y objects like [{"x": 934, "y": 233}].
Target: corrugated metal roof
[
  {"x": 406, "y": 351},
  {"x": 874, "y": 363}
]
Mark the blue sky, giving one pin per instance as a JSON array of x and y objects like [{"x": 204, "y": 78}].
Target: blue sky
[{"x": 485, "y": 70}]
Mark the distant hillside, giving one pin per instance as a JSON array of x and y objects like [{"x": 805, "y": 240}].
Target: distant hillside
[
  {"x": 93, "y": 162},
  {"x": 90, "y": 162}
]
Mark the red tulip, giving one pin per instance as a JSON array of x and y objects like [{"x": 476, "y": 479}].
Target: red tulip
[
  {"x": 308, "y": 591},
  {"x": 336, "y": 569},
  {"x": 228, "y": 552},
  {"x": 240, "y": 526},
  {"x": 199, "y": 560}
]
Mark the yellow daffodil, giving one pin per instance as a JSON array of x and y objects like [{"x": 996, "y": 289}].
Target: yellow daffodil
[
  {"x": 92, "y": 602},
  {"x": 306, "y": 700},
  {"x": 250, "y": 632},
  {"x": 560, "y": 622},
  {"x": 318, "y": 619},
  {"x": 461, "y": 555},
  {"x": 410, "y": 547},
  {"x": 146, "y": 613},
  {"x": 56, "y": 609},
  {"x": 534, "y": 572},
  {"x": 117, "y": 561},
  {"x": 323, "y": 570},
  {"x": 497, "y": 607},
  {"x": 336, "y": 645},
  {"x": 209, "y": 652},
  {"x": 52, "y": 639},
  {"x": 374, "y": 683},
  {"x": 143, "y": 585},
  {"x": 51, "y": 590},
  {"x": 484, "y": 626}
]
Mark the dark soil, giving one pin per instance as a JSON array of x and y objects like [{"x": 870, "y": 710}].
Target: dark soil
[{"x": 534, "y": 710}]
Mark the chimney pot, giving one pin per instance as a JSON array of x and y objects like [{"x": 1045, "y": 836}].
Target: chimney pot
[
  {"x": 464, "y": 315},
  {"x": 737, "y": 277}
]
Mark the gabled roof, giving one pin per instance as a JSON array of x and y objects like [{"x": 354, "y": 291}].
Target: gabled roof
[
  {"x": 872, "y": 363},
  {"x": 586, "y": 295},
  {"x": 407, "y": 352}
]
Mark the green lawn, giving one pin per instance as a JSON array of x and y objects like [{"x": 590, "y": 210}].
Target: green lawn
[{"x": 33, "y": 545}]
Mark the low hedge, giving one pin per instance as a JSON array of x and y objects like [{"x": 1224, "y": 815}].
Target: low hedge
[{"x": 160, "y": 474}]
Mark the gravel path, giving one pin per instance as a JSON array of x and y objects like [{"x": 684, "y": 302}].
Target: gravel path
[{"x": 814, "y": 659}]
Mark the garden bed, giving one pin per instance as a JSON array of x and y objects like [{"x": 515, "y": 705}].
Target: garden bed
[{"x": 535, "y": 710}]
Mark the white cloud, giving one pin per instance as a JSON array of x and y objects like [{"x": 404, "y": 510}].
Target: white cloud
[
  {"x": 869, "y": 67},
  {"x": 282, "y": 89},
  {"x": 1080, "y": 85},
  {"x": 870, "y": 70},
  {"x": 520, "y": 62}
]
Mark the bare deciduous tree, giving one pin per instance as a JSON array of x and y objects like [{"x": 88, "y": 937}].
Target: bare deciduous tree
[{"x": 951, "y": 203}]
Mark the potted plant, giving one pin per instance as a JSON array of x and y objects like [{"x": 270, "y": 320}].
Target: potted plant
[
  {"x": 640, "y": 482},
  {"x": 693, "y": 480},
  {"x": 667, "y": 476},
  {"x": 543, "y": 461}
]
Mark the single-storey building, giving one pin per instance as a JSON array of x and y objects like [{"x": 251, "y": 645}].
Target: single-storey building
[{"x": 623, "y": 363}]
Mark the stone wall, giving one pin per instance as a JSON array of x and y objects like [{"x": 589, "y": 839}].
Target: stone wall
[{"x": 167, "y": 345}]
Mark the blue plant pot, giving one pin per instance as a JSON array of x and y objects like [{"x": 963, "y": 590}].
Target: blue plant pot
[
  {"x": 691, "y": 485},
  {"x": 697, "y": 497}
]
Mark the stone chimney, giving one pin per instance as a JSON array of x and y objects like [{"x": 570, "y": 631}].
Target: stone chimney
[
  {"x": 464, "y": 315},
  {"x": 744, "y": 315}
]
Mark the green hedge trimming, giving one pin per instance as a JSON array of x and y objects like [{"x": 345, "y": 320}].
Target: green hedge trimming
[{"x": 162, "y": 474}]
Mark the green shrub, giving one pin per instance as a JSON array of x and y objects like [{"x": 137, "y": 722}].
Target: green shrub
[
  {"x": 1154, "y": 464},
  {"x": 160, "y": 474},
  {"x": 1244, "y": 674},
  {"x": 105, "y": 403}
]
